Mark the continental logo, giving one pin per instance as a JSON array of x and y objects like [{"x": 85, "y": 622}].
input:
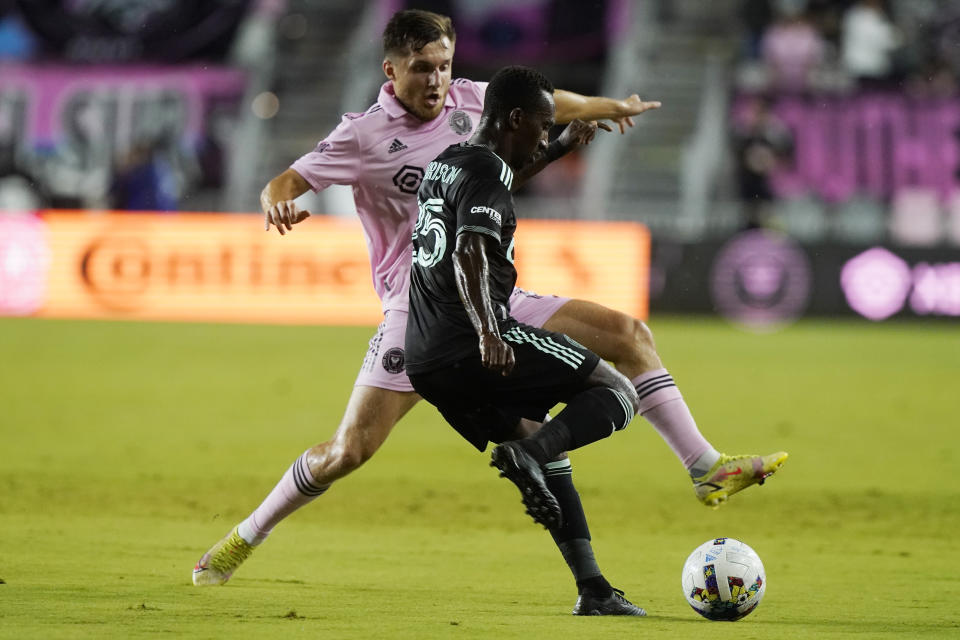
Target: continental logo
[
  {"x": 225, "y": 268},
  {"x": 493, "y": 213},
  {"x": 119, "y": 271}
]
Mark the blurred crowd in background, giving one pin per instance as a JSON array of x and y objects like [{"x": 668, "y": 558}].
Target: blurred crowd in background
[
  {"x": 840, "y": 116},
  {"x": 125, "y": 105},
  {"x": 845, "y": 115},
  {"x": 839, "y": 45},
  {"x": 147, "y": 111}
]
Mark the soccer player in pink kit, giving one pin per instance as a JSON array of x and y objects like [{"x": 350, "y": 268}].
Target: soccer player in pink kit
[{"x": 382, "y": 154}]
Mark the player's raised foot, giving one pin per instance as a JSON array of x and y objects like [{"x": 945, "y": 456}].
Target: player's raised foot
[
  {"x": 613, "y": 605},
  {"x": 735, "y": 473},
  {"x": 519, "y": 467},
  {"x": 218, "y": 564}
]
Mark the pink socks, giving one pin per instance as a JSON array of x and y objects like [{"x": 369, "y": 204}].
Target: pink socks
[
  {"x": 295, "y": 489},
  {"x": 662, "y": 404}
]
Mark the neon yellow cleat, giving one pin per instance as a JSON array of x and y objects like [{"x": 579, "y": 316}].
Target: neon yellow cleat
[
  {"x": 735, "y": 473},
  {"x": 218, "y": 564}
]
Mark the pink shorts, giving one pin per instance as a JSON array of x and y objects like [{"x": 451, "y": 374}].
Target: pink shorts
[{"x": 383, "y": 364}]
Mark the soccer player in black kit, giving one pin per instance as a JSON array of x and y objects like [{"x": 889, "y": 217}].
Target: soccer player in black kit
[{"x": 491, "y": 377}]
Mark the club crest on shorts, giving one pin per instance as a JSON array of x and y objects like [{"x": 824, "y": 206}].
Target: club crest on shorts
[
  {"x": 460, "y": 122},
  {"x": 393, "y": 360}
]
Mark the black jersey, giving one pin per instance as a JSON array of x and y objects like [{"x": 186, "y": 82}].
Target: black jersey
[{"x": 466, "y": 188}]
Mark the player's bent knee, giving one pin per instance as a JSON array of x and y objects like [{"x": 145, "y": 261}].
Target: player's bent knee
[
  {"x": 622, "y": 395},
  {"x": 630, "y": 407},
  {"x": 642, "y": 335},
  {"x": 621, "y": 387},
  {"x": 604, "y": 375},
  {"x": 641, "y": 353},
  {"x": 639, "y": 340},
  {"x": 601, "y": 406},
  {"x": 334, "y": 460},
  {"x": 351, "y": 458}
]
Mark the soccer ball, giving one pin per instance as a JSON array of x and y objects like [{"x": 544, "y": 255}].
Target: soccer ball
[{"x": 723, "y": 579}]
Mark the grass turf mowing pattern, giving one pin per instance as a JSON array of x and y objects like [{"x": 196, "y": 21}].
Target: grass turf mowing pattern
[{"x": 128, "y": 449}]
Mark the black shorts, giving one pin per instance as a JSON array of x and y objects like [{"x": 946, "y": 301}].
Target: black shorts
[{"x": 484, "y": 406}]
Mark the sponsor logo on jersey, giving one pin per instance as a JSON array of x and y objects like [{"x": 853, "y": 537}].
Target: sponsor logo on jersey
[
  {"x": 408, "y": 178},
  {"x": 493, "y": 213},
  {"x": 396, "y": 145},
  {"x": 460, "y": 122},
  {"x": 323, "y": 146}
]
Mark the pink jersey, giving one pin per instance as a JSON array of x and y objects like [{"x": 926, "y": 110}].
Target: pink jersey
[{"x": 382, "y": 153}]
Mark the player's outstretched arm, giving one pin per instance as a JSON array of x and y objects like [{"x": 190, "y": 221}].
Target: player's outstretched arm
[
  {"x": 577, "y": 134},
  {"x": 572, "y": 106},
  {"x": 277, "y": 201},
  {"x": 472, "y": 274}
]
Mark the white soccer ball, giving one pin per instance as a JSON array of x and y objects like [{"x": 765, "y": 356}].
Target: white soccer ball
[{"x": 723, "y": 579}]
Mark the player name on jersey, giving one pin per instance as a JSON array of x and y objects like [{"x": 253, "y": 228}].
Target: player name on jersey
[{"x": 442, "y": 172}]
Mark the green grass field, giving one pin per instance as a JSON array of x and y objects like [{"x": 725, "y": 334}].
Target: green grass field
[{"x": 128, "y": 449}]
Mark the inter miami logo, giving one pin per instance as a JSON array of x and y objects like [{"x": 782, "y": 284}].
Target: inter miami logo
[
  {"x": 760, "y": 279},
  {"x": 408, "y": 178},
  {"x": 393, "y": 360},
  {"x": 460, "y": 122}
]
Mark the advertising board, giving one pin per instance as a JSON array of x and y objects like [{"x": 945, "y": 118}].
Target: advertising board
[{"x": 225, "y": 268}]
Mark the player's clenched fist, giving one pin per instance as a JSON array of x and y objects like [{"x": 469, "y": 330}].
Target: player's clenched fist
[
  {"x": 283, "y": 215},
  {"x": 495, "y": 354}
]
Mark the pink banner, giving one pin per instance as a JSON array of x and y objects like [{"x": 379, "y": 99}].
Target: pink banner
[
  {"x": 875, "y": 145},
  {"x": 73, "y": 129},
  {"x": 41, "y": 105}
]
